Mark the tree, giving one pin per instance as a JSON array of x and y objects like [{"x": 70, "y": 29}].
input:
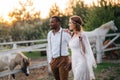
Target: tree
[
  {"x": 100, "y": 14},
  {"x": 55, "y": 10},
  {"x": 78, "y": 8},
  {"x": 24, "y": 21},
  {"x": 26, "y": 14}
]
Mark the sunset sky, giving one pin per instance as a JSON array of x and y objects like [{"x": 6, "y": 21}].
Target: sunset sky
[{"x": 41, "y": 5}]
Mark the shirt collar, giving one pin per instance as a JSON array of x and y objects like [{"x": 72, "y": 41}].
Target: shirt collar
[{"x": 60, "y": 29}]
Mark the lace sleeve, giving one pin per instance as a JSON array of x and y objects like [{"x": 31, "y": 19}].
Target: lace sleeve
[{"x": 89, "y": 56}]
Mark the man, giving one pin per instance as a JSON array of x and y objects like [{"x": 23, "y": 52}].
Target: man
[{"x": 58, "y": 49}]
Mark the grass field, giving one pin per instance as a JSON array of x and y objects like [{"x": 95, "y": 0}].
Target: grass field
[
  {"x": 36, "y": 54},
  {"x": 108, "y": 71}
]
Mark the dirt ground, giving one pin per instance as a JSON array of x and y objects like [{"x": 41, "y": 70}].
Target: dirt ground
[
  {"x": 42, "y": 73},
  {"x": 38, "y": 73},
  {"x": 35, "y": 74}
]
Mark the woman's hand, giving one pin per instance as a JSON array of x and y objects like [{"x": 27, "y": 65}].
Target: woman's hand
[{"x": 67, "y": 30}]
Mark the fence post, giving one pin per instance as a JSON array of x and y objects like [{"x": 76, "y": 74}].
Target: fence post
[
  {"x": 14, "y": 46},
  {"x": 99, "y": 49}
]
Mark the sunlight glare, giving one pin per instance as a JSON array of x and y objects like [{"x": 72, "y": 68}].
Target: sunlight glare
[
  {"x": 40, "y": 5},
  {"x": 44, "y": 6},
  {"x": 6, "y": 6},
  {"x": 90, "y": 2}
]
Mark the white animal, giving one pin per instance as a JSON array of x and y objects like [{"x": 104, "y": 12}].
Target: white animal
[{"x": 101, "y": 31}]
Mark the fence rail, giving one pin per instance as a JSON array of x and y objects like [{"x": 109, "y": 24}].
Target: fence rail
[
  {"x": 100, "y": 48},
  {"x": 5, "y": 73},
  {"x": 19, "y": 42},
  {"x": 38, "y": 47},
  {"x": 42, "y": 47}
]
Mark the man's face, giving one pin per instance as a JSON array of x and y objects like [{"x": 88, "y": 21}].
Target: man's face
[{"x": 53, "y": 23}]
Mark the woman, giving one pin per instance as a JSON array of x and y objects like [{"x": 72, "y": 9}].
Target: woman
[{"x": 82, "y": 56}]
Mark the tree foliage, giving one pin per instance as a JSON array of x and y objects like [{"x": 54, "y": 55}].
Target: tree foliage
[
  {"x": 27, "y": 24},
  {"x": 101, "y": 14},
  {"x": 55, "y": 10},
  {"x": 25, "y": 19},
  {"x": 79, "y": 8}
]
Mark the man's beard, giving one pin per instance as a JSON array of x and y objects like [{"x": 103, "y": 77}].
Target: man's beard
[
  {"x": 52, "y": 28},
  {"x": 71, "y": 30}
]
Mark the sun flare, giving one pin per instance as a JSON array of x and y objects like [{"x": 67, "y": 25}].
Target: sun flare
[
  {"x": 90, "y": 2},
  {"x": 43, "y": 6},
  {"x": 40, "y": 5}
]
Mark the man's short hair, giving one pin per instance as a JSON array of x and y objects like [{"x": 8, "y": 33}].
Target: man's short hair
[{"x": 57, "y": 18}]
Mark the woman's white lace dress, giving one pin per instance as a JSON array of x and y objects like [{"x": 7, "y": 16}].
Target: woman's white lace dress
[{"x": 82, "y": 63}]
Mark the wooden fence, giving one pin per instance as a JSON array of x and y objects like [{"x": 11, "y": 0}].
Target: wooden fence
[
  {"x": 100, "y": 48},
  {"x": 40, "y": 45},
  {"x": 5, "y": 73}
]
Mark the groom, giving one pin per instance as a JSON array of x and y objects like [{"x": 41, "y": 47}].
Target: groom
[{"x": 58, "y": 49}]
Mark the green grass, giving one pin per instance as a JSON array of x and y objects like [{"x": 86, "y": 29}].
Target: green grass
[
  {"x": 107, "y": 71},
  {"x": 106, "y": 65},
  {"x": 36, "y": 54}
]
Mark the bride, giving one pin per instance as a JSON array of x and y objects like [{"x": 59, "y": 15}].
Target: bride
[{"x": 82, "y": 56}]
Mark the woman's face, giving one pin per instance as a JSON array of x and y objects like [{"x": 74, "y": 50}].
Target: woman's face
[{"x": 71, "y": 25}]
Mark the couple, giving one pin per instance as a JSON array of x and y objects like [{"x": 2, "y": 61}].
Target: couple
[{"x": 82, "y": 57}]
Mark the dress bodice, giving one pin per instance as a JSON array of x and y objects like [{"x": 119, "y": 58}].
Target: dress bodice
[
  {"x": 74, "y": 43},
  {"x": 77, "y": 53}
]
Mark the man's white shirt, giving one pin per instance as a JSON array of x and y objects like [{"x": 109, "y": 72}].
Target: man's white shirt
[{"x": 53, "y": 50}]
